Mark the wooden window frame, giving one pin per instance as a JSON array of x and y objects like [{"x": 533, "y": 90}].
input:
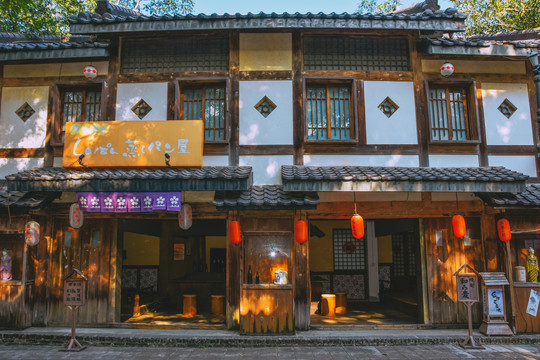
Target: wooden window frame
[
  {"x": 472, "y": 118},
  {"x": 182, "y": 83},
  {"x": 353, "y": 104},
  {"x": 58, "y": 100}
]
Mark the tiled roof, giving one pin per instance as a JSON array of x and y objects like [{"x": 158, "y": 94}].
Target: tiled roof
[
  {"x": 528, "y": 34},
  {"x": 167, "y": 179},
  {"x": 363, "y": 178},
  {"x": 17, "y": 200},
  {"x": 269, "y": 197},
  {"x": 479, "y": 42},
  {"x": 24, "y": 47},
  {"x": 88, "y": 23},
  {"x": 529, "y": 198}
]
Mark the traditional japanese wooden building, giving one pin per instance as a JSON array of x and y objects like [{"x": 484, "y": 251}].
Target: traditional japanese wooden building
[{"x": 307, "y": 117}]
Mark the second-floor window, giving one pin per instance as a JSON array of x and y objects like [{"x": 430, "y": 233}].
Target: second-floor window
[
  {"x": 329, "y": 112},
  {"x": 78, "y": 105},
  {"x": 448, "y": 114},
  {"x": 208, "y": 103}
]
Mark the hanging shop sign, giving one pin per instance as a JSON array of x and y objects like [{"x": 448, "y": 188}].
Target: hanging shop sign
[
  {"x": 129, "y": 202},
  {"x": 117, "y": 144}
]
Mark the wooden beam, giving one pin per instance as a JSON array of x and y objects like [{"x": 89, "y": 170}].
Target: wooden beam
[
  {"x": 420, "y": 96},
  {"x": 234, "y": 103},
  {"x": 22, "y": 153},
  {"x": 298, "y": 98}
]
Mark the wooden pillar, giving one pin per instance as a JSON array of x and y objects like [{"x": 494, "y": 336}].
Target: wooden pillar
[
  {"x": 234, "y": 260},
  {"x": 373, "y": 261},
  {"x": 301, "y": 283},
  {"x": 490, "y": 242}
]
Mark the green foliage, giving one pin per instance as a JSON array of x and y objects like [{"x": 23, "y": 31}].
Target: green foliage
[
  {"x": 376, "y": 7},
  {"x": 51, "y": 16},
  {"x": 499, "y": 15}
]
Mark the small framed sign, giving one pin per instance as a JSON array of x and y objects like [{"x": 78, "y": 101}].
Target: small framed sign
[
  {"x": 467, "y": 286},
  {"x": 179, "y": 251},
  {"x": 74, "y": 291}
]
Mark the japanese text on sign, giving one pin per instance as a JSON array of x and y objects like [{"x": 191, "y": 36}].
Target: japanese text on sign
[
  {"x": 467, "y": 288},
  {"x": 74, "y": 293},
  {"x": 134, "y": 143},
  {"x": 496, "y": 301}
]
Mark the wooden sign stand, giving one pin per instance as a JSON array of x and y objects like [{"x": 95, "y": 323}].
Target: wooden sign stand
[
  {"x": 74, "y": 296},
  {"x": 467, "y": 289}
]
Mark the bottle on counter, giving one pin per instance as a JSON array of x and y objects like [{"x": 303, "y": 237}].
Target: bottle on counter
[
  {"x": 249, "y": 276},
  {"x": 257, "y": 278}
]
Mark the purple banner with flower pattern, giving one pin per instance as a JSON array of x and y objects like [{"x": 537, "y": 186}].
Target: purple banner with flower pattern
[{"x": 128, "y": 202}]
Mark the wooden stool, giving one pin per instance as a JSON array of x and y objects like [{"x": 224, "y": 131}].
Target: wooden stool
[
  {"x": 341, "y": 303},
  {"x": 190, "y": 305},
  {"x": 218, "y": 305},
  {"x": 328, "y": 304}
]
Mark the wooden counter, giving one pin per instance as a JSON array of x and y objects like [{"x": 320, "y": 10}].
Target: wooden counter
[
  {"x": 266, "y": 308},
  {"x": 525, "y": 323}
]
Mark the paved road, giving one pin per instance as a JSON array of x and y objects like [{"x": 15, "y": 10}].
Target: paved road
[{"x": 439, "y": 352}]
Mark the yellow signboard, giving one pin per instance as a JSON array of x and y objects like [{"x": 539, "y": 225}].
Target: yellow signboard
[{"x": 177, "y": 143}]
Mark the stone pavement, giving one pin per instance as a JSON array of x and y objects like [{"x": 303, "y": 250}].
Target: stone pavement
[{"x": 27, "y": 352}]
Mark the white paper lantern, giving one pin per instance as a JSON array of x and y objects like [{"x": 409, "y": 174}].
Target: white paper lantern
[
  {"x": 90, "y": 72},
  {"x": 76, "y": 216},
  {"x": 31, "y": 233},
  {"x": 185, "y": 217},
  {"x": 447, "y": 69}
]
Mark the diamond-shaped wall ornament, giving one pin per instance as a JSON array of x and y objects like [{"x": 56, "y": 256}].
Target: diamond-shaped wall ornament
[
  {"x": 141, "y": 109},
  {"x": 507, "y": 108},
  {"x": 25, "y": 111},
  {"x": 388, "y": 107},
  {"x": 265, "y": 106}
]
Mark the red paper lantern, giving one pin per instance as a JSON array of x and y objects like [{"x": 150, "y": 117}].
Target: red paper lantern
[
  {"x": 503, "y": 228},
  {"x": 357, "y": 226},
  {"x": 76, "y": 217},
  {"x": 235, "y": 232},
  {"x": 301, "y": 231},
  {"x": 458, "y": 224}
]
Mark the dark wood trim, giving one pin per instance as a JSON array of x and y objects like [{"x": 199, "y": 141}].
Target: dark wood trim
[
  {"x": 511, "y": 149},
  {"x": 112, "y": 80},
  {"x": 479, "y": 112},
  {"x": 351, "y": 149},
  {"x": 298, "y": 98},
  {"x": 22, "y": 153},
  {"x": 464, "y": 148},
  {"x": 533, "y": 109},
  {"x": 48, "y": 160},
  {"x": 266, "y": 75},
  {"x": 267, "y": 150},
  {"x": 216, "y": 149},
  {"x": 360, "y": 106},
  {"x": 420, "y": 96},
  {"x": 504, "y": 78},
  {"x": 234, "y": 101},
  {"x": 364, "y": 75},
  {"x": 166, "y": 77},
  {"x": 171, "y": 100},
  {"x": 47, "y": 81}
]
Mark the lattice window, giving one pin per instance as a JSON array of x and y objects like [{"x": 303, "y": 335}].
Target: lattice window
[
  {"x": 206, "y": 102},
  {"x": 448, "y": 113},
  {"x": 338, "y": 53},
  {"x": 80, "y": 105},
  {"x": 175, "y": 55},
  {"x": 403, "y": 254},
  {"x": 349, "y": 253},
  {"x": 329, "y": 113}
]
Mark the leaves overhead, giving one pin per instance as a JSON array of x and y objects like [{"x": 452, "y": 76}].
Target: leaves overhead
[
  {"x": 499, "y": 15},
  {"x": 377, "y": 7},
  {"x": 51, "y": 16}
]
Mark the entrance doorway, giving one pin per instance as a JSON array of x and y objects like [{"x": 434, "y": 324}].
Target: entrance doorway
[
  {"x": 374, "y": 279},
  {"x": 162, "y": 265}
]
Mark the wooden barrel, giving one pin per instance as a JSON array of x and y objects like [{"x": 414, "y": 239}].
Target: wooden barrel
[
  {"x": 328, "y": 304},
  {"x": 190, "y": 305},
  {"x": 341, "y": 303},
  {"x": 218, "y": 305}
]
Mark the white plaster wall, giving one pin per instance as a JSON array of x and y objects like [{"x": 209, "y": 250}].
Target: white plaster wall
[
  {"x": 12, "y": 166},
  {"x": 400, "y": 128},
  {"x": 454, "y": 161},
  {"x": 215, "y": 161},
  {"x": 277, "y": 128},
  {"x": 14, "y": 133},
  {"x": 267, "y": 168},
  {"x": 361, "y": 160},
  {"x": 523, "y": 164},
  {"x": 155, "y": 94},
  {"x": 500, "y": 130}
]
